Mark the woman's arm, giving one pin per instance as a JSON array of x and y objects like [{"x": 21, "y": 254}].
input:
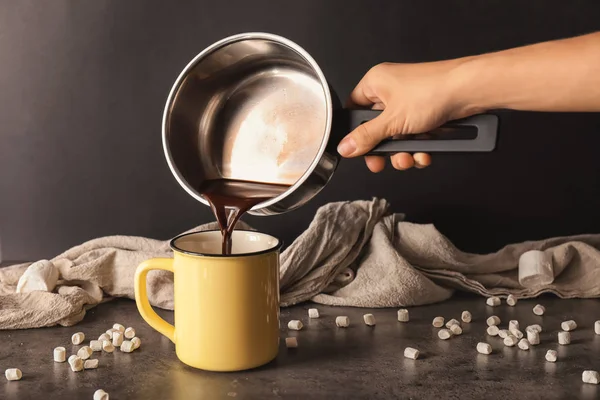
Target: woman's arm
[{"x": 561, "y": 75}]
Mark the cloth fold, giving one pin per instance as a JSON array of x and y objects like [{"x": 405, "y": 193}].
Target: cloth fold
[{"x": 353, "y": 254}]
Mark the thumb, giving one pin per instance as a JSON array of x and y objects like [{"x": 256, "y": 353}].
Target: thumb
[{"x": 365, "y": 137}]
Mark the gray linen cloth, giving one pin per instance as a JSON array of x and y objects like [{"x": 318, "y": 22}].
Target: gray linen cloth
[{"x": 353, "y": 254}]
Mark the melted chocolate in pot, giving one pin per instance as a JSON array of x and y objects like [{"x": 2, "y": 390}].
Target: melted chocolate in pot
[{"x": 230, "y": 199}]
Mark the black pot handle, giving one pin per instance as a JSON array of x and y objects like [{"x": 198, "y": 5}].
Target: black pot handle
[{"x": 477, "y": 133}]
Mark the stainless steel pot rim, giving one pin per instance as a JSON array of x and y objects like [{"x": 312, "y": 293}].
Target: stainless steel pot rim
[{"x": 231, "y": 39}]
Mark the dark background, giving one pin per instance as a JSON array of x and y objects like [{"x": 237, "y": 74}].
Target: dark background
[{"x": 83, "y": 85}]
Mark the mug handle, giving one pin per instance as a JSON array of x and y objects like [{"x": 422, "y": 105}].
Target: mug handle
[{"x": 141, "y": 295}]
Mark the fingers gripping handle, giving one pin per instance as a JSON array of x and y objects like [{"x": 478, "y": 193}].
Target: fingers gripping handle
[
  {"x": 141, "y": 295},
  {"x": 484, "y": 128}
]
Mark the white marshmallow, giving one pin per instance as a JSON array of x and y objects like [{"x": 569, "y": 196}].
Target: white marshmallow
[
  {"x": 291, "y": 342},
  {"x": 444, "y": 334},
  {"x": 452, "y": 322},
  {"x": 41, "y": 275},
  {"x": 564, "y": 338},
  {"x": 77, "y": 338},
  {"x": 411, "y": 353},
  {"x": 295, "y": 325},
  {"x": 493, "y": 301},
  {"x": 127, "y": 346},
  {"x": 438, "y": 322},
  {"x": 60, "y": 354},
  {"x": 516, "y": 333},
  {"x": 313, "y": 313},
  {"x": 466, "y": 317},
  {"x": 568, "y": 325},
  {"x": 539, "y": 309},
  {"x": 119, "y": 327},
  {"x": 493, "y": 320},
  {"x": 551, "y": 356},
  {"x": 136, "y": 342},
  {"x": 536, "y": 328},
  {"x": 597, "y": 327},
  {"x": 342, "y": 321},
  {"x": 511, "y": 300},
  {"x": 100, "y": 395},
  {"x": 523, "y": 344},
  {"x": 90, "y": 364},
  {"x": 85, "y": 352},
  {"x": 533, "y": 337},
  {"x": 13, "y": 374},
  {"x": 369, "y": 319},
  {"x": 510, "y": 341},
  {"x": 535, "y": 269},
  {"x": 503, "y": 333},
  {"x": 403, "y": 315},
  {"x": 96, "y": 345},
  {"x": 592, "y": 377},
  {"x": 104, "y": 337},
  {"x": 513, "y": 324},
  {"x": 76, "y": 364},
  {"x": 456, "y": 329},
  {"x": 493, "y": 330},
  {"x": 117, "y": 339},
  {"x": 484, "y": 348},
  {"x": 108, "y": 346},
  {"x": 129, "y": 333}
]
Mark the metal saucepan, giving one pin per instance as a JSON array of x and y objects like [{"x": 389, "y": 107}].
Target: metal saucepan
[{"x": 256, "y": 107}]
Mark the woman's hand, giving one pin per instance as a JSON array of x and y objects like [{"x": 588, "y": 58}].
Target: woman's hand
[
  {"x": 415, "y": 98},
  {"x": 555, "y": 76}
]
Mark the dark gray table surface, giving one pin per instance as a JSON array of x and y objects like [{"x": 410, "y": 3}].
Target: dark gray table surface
[{"x": 330, "y": 362}]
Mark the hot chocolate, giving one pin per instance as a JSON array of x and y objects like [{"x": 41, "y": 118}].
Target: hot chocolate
[{"x": 230, "y": 199}]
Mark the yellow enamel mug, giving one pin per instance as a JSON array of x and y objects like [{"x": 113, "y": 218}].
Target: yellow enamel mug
[{"x": 226, "y": 306}]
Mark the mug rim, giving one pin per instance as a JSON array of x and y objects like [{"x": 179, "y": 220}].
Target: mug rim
[{"x": 277, "y": 246}]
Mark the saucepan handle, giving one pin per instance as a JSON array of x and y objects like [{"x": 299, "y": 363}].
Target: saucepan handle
[{"x": 477, "y": 133}]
